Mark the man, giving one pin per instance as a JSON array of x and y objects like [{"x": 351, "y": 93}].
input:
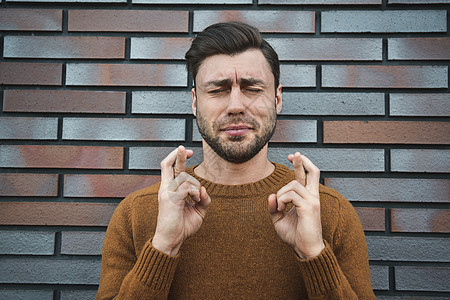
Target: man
[{"x": 236, "y": 226}]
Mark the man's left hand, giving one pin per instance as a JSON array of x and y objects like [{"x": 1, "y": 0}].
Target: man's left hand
[{"x": 300, "y": 227}]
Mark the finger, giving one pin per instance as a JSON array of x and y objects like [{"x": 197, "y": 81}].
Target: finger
[
  {"x": 313, "y": 176},
  {"x": 300, "y": 174},
  {"x": 272, "y": 205},
  {"x": 167, "y": 167},
  {"x": 204, "y": 202},
  {"x": 289, "y": 197},
  {"x": 294, "y": 185},
  {"x": 180, "y": 162},
  {"x": 182, "y": 179}
]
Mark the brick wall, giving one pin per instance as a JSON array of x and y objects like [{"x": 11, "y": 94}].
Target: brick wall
[{"x": 94, "y": 94}]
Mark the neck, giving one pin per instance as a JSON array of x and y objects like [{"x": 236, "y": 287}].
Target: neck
[{"x": 217, "y": 170}]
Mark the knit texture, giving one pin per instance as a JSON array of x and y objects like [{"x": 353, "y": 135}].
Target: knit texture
[{"x": 236, "y": 254}]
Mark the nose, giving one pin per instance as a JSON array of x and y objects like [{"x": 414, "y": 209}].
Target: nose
[{"x": 235, "y": 102}]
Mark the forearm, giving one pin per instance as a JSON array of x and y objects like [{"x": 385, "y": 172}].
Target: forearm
[
  {"x": 324, "y": 278},
  {"x": 151, "y": 276}
]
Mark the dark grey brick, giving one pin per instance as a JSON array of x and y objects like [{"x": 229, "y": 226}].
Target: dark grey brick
[
  {"x": 82, "y": 242},
  {"x": 419, "y": 105},
  {"x": 143, "y": 158},
  {"x": 26, "y": 295},
  {"x": 341, "y": 160},
  {"x": 422, "y": 278},
  {"x": 159, "y": 48},
  {"x": 78, "y": 295},
  {"x": 123, "y": 129},
  {"x": 161, "y": 102},
  {"x": 418, "y": 2},
  {"x": 384, "y": 21},
  {"x": 341, "y": 49},
  {"x": 401, "y": 190},
  {"x": 264, "y": 20},
  {"x": 420, "y": 160},
  {"x": 28, "y": 128},
  {"x": 408, "y": 249},
  {"x": 27, "y": 242},
  {"x": 380, "y": 277},
  {"x": 50, "y": 271},
  {"x": 192, "y": 2},
  {"x": 297, "y": 75},
  {"x": 333, "y": 104}
]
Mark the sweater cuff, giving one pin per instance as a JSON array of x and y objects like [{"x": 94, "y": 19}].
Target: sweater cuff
[
  {"x": 155, "y": 268},
  {"x": 321, "y": 273}
]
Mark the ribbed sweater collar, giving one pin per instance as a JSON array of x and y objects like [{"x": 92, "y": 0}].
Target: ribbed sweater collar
[{"x": 279, "y": 177}]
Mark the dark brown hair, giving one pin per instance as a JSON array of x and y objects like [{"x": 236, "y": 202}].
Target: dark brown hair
[{"x": 230, "y": 38}]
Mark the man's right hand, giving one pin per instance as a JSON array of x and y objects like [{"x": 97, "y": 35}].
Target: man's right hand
[{"x": 178, "y": 219}]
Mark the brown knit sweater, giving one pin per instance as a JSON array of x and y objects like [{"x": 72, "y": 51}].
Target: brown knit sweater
[{"x": 236, "y": 254}]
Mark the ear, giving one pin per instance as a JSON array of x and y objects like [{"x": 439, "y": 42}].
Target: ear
[
  {"x": 194, "y": 102},
  {"x": 279, "y": 99}
]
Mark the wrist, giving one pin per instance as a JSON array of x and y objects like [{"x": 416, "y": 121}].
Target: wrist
[
  {"x": 310, "y": 253},
  {"x": 166, "y": 248}
]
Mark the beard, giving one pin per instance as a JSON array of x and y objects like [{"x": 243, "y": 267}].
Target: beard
[{"x": 235, "y": 149}]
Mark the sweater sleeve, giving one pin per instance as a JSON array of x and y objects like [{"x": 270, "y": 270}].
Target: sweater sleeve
[
  {"x": 127, "y": 276},
  {"x": 341, "y": 270}
]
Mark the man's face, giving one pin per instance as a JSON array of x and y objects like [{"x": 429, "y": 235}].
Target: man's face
[{"x": 236, "y": 104}]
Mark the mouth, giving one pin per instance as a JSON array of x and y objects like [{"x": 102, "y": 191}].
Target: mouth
[{"x": 236, "y": 130}]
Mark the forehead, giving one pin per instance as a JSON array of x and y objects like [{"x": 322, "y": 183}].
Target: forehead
[{"x": 248, "y": 64}]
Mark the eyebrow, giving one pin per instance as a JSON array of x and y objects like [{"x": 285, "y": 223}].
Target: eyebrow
[
  {"x": 251, "y": 81},
  {"x": 219, "y": 82},
  {"x": 243, "y": 81}
]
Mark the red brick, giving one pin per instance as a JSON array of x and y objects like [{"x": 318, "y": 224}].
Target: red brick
[
  {"x": 420, "y": 220},
  {"x": 265, "y": 21},
  {"x": 384, "y": 76},
  {"x": 30, "y": 73},
  {"x": 28, "y": 185},
  {"x": 386, "y": 132},
  {"x": 31, "y": 19},
  {"x": 128, "y": 20},
  {"x": 56, "y": 213},
  {"x": 64, "y": 101},
  {"x": 114, "y": 186},
  {"x": 64, "y": 47},
  {"x": 419, "y": 49},
  {"x": 25, "y": 128},
  {"x": 127, "y": 74},
  {"x": 372, "y": 218},
  {"x": 77, "y": 157}
]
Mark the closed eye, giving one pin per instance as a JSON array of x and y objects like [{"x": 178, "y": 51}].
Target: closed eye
[
  {"x": 217, "y": 91},
  {"x": 253, "y": 90}
]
